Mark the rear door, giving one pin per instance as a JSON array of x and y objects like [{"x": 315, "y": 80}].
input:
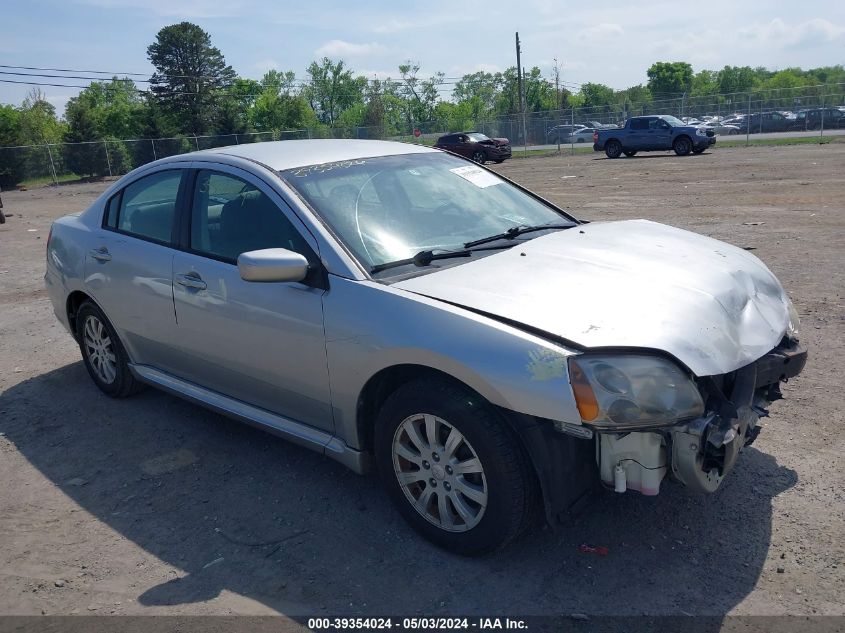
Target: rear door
[
  {"x": 261, "y": 343},
  {"x": 129, "y": 269},
  {"x": 637, "y": 137}
]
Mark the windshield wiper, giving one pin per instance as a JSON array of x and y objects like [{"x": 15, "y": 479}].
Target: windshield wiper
[
  {"x": 515, "y": 231},
  {"x": 423, "y": 258}
]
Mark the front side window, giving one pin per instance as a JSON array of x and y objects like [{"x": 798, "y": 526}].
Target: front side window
[
  {"x": 229, "y": 216},
  {"x": 391, "y": 207},
  {"x": 641, "y": 124},
  {"x": 147, "y": 207}
]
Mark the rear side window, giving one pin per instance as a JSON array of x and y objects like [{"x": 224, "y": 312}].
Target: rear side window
[{"x": 147, "y": 207}]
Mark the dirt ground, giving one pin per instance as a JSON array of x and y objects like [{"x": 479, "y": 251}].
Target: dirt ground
[{"x": 154, "y": 505}]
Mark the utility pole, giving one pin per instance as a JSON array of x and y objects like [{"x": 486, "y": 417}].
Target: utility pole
[
  {"x": 557, "y": 84},
  {"x": 557, "y": 97},
  {"x": 521, "y": 94}
]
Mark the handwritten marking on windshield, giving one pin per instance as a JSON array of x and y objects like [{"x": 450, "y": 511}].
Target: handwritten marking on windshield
[{"x": 302, "y": 172}]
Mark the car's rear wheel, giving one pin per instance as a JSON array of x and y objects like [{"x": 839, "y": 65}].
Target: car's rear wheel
[
  {"x": 733, "y": 132},
  {"x": 682, "y": 146},
  {"x": 479, "y": 157},
  {"x": 630, "y": 153},
  {"x": 103, "y": 354},
  {"x": 613, "y": 149},
  {"x": 453, "y": 467}
]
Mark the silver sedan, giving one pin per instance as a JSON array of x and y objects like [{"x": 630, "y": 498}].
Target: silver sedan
[{"x": 395, "y": 305}]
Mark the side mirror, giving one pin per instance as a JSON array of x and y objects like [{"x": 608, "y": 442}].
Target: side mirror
[{"x": 272, "y": 264}]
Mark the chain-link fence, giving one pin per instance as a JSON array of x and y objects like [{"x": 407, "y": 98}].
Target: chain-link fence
[{"x": 781, "y": 110}]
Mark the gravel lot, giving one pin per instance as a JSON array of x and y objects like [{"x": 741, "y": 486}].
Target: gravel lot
[{"x": 153, "y": 505}]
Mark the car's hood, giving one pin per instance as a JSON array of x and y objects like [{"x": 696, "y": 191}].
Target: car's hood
[{"x": 713, "y": 306}]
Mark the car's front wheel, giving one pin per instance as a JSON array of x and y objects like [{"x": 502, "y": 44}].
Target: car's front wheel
[
  {"x": 104, "y": 357},
  {"x": 682, "y": 146},
  {"x": 453, "y": 467},
  {"x": 479, "y": 157}
]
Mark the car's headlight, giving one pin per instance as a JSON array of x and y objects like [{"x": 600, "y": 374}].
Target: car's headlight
[
  {"x": 794, "y": 321},
  {"x": 632, "y": 391},
  {"x": 701, "y": 131}
]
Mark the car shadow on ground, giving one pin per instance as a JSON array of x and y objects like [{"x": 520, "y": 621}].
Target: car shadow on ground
[
  {"x": 237, "y": 509},
  {"x": 653, "y": 155}
]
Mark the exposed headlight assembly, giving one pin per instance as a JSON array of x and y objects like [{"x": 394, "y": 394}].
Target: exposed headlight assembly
[
  {"x": 627, "y": 392},
  {"x": 701, "y": 131}
]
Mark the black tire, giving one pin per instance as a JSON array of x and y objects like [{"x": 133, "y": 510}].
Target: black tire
[
  {"x": 499, "y": 160},
  {"x": 682, "y": 145},
  {"x": 698, "y": 150},
  {"x": 630, "y": 153},
  {"x": 508, "y": 480},
  {"x": 2, "y": 218},
  {"x": 612, "y": 149},
  {"x": 479, "y": 157},
  {"x": 123, "y": 384}
]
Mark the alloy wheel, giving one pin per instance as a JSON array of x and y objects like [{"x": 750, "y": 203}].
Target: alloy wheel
[
  {"x": 99, "y": 349},
  {"x": 439, "y": 472}
]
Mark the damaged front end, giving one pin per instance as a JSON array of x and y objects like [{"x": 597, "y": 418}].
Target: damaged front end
[{"x": 659, "y": 421}]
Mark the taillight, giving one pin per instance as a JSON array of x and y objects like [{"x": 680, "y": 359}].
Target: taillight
[{"x": 595, "y": 137}]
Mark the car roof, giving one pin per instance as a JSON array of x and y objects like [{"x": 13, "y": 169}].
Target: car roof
[{"x": 280, "y": 155}]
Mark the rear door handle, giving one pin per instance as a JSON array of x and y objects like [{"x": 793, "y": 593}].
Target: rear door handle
[
  {"x": 191, "y": 280},
  {"x": 100, "y": 254}
]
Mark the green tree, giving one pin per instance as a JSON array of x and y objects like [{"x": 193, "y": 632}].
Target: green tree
[
  {"x": 38, "y": 126},
  {"x": 736, "y": 79},
  {"x": 278, "y": 107},
  {"x": 112, "y": 110},
  {"x": 10, "y": 159},
  {"x": 332, "y": 88},
  {"x": 190, "y": 76},
  {"x": 420, "y": 95},
  {"x": 669, "y": 79},
  {"x": 480, "y": 86}
]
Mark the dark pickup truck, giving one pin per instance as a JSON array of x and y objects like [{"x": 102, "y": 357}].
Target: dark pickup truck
[{"x": 653, "y": 134}]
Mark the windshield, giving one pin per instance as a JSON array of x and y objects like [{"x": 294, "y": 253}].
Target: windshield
[
  {"x": 672, "y": 120},
  {"x": 478, "y": 136},
  {"x": 392, "y": 207}
]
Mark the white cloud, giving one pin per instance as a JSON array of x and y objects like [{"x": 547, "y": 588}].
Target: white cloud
[
  {"x": 340, "y": 48},
  {"x": 779, "y": 33},
  {"x": 599, "y": 32}
]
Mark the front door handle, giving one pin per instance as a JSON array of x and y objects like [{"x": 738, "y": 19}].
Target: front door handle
[
  {"x": 101, "y": 254},
  {"x": 191, "y": 280}
]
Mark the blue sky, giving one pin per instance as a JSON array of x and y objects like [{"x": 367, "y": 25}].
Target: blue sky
[{"x": 611, "y": 41}]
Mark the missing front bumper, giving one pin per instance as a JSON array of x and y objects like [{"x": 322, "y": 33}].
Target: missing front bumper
[{"x": 701, "y": 452}]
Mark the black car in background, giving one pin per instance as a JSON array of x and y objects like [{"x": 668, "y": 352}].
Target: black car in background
[
  {"x": 476, "y": 146},
  {"x": 812, "y": 119},
  {"x": 765, "y": 122}
]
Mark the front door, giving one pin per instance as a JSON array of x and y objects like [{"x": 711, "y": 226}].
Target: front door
[{"x": 261, "y": 343}]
